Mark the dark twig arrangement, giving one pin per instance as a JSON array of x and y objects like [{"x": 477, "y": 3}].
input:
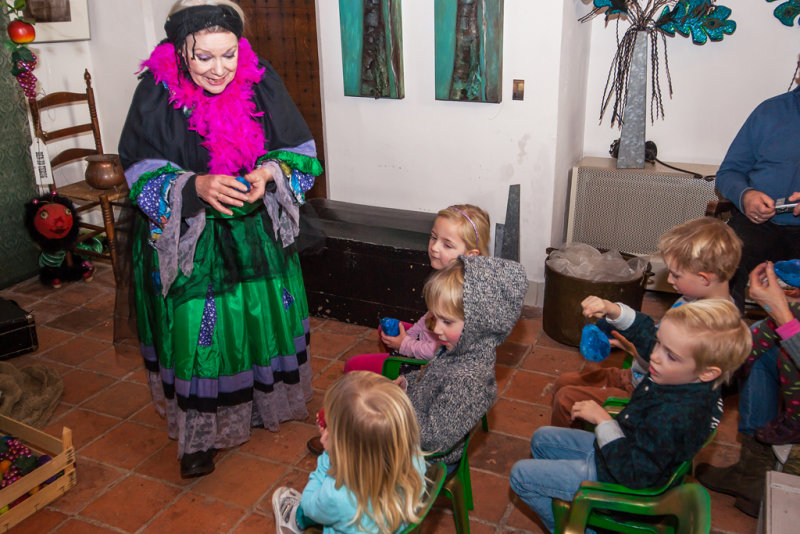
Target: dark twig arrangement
[{"x": 700, "y": 19}]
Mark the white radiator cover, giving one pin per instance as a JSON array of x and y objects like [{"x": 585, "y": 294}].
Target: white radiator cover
[{"x": 628, "y": 209}]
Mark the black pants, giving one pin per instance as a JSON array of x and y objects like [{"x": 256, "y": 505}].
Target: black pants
[{"x": 762, "y": 242}]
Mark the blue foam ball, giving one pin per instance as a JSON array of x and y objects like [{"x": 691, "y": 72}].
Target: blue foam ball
[
  {"x": 595, "y": 345},
  {"x": 390, "y": 327},
  {"x": 789, "y": 272},
  {"x": 244, "y": 182}
]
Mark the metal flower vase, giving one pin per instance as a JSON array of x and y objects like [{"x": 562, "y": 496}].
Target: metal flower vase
[{"x": 631, "y": 143}]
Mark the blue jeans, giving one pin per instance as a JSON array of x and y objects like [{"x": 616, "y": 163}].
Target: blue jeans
[
  {"x": 563, "y": 458},
  {"x": 759, "y": 396}
]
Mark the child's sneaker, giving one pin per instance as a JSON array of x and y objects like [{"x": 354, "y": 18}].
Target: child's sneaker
[{"x": 285, "y": 502}]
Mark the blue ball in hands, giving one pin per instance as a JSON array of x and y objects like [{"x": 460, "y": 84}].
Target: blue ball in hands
[
  {"x": 244, "y": 181},
  {"x": 595, "y": 345},
  {"x": 390, "y": 327},
  {"x": 789, "y": 272}
]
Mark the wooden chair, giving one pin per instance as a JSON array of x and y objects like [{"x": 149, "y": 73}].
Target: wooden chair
[{"x": 84, "y": 196}]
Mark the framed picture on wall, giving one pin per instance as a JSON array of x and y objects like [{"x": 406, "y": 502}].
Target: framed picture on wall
[
  {"x": 469, "y": 50},
  {"x": 372, "y": 48},
  {"x": 59, "y": 20}
]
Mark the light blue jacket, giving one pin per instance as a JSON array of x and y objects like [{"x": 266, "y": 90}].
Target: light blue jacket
[{"x": 334, "y": 508}]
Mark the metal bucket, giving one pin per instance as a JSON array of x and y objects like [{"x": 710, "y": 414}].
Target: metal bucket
[{"x": 562, "y": 319}]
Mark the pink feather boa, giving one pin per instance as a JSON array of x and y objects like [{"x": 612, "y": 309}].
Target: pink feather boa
[{"x": 234, "y": 137}]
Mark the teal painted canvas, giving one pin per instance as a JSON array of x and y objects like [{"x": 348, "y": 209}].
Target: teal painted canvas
[
  {"x": 372, "y": 48},
  {"x": 469, "y": 50}
]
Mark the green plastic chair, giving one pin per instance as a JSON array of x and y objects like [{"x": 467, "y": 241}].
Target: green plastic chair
[
  {"x": 614, "y": 405},
  {"x": 434, "y": 477},
  {"x": 684, "y": 509},
  {"x": 458, "y": 486}
]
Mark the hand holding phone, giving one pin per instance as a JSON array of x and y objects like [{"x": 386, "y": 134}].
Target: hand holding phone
[{"x": 781, "y": 206}]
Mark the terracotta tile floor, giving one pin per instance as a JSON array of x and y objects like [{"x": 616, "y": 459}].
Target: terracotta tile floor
[{"x": 127, "y": 469}]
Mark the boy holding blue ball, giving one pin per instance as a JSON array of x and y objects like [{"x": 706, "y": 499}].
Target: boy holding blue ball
[
  {"x": 671, "y": 414},
  {"x": 701, "y": 255}
]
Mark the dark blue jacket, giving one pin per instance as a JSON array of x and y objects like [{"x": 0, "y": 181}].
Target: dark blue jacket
[
  {"x": 661, "y": 427},
  {"x": 764, "y": 155}
]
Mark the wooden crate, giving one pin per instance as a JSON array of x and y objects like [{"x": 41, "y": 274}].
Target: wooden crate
[{"x": 63, "y": 459}]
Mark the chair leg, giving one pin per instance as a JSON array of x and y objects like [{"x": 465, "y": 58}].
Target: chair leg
[
  {"x": 560, "y": 514},
  {"x": 455, "y": 490},
  {"x": 108, "y": 222},
  {"x": 485, "y": 423},
  {"x": 466, "y": 483}
]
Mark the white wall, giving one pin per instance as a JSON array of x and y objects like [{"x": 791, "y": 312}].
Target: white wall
[
  {"x": 422, "y": 154},
  {"x": 123, "y": 32},
  {"x": 716, "y": 85},
  {"x": 571, "y": 110}
]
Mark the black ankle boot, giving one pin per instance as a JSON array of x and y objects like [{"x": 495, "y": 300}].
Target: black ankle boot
[
  {"x": 745, "y": 479},
  {"x": 725, "y": 480},
  {"x": 197, "y": 464},
  {"x": 760, "y": 459}
]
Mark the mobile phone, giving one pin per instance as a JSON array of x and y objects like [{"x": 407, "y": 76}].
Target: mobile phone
[{"x": 782, "y": 207}]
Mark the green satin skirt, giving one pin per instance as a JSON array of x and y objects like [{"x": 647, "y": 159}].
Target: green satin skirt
[{"x": 234, "y": 330}]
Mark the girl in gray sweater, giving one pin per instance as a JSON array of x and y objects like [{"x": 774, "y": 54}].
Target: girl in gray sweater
[{"x": 474, "y": 303}]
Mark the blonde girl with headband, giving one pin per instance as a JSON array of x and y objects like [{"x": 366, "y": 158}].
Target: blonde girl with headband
[
  {"x": 458, "y": 229},
  {"x": 371, "y": 476}
]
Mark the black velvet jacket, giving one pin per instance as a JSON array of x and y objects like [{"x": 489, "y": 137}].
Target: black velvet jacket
[{"x": 663, "y": 426}]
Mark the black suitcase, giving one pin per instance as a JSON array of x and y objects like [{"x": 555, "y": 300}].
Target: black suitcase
[{"x": 17, "y": 330}]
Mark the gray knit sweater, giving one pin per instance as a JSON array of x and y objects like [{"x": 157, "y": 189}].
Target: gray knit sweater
[{"x": 458, "y": 386}]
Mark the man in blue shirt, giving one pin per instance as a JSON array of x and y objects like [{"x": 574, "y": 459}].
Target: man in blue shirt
[{"x": 763, "y": 165}]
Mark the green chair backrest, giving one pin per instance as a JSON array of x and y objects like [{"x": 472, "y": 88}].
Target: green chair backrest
[
  {"x": 435, "y": 476},
  {"x": 457, "y": 487},
  {"x": 392, "y": 364}
]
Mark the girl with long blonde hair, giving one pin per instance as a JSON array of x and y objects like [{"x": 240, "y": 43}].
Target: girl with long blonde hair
[{"x": 371, "y": 476}]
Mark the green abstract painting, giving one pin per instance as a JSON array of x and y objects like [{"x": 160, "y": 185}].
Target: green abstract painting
[
  {"x": 18, "y": 255},
  {"x": 372, "y": 48},
  {"x": 469, "y": 50}
]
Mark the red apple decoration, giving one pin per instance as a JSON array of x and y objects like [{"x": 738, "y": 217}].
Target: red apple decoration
[{"x": 21, "y": 32}]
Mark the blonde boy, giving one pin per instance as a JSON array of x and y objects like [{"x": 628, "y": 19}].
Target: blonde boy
[
  {"x": 701, "y": 255},
  {"x": 669, "y": 417}
]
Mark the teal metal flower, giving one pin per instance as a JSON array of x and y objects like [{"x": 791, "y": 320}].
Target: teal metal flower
[
  {"x": 698, "y": 18},
  {"x": 787, "y": 12},
  {"x": 614, "y": 7}
]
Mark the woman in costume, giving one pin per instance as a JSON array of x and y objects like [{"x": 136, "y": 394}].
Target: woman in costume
[{"x": 218, "y": 160}]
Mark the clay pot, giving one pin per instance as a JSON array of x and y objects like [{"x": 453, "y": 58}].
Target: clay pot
[{"x": 104, "y": 171}]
